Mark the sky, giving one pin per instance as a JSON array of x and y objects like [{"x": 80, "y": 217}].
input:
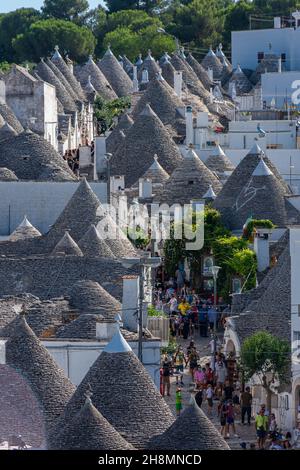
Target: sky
[{"x": 10, "y": 5}]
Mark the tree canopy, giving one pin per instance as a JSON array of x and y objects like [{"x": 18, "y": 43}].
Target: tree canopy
[
  {"x": 267, "y": 357},
  {"x": 196, "y": 23},
  {"x": 12, "y": 24},
  {"x": 42, "y": 36},
  {"x": 65, "y": 9}
]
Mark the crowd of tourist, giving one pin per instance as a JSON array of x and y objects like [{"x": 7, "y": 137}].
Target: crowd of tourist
[
  {"x": 190, "y": 314},
  {"x": 72, "y": 156}
]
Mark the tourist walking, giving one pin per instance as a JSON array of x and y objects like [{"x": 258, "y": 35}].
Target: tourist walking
[
  {"x": 261, "y": 426},
  {"x": 179, "y": 360},
  {"x": 166, "y": 367},
  {"x": 178, "y": 401},
  {"x": 230, "y": 418},
  {"x": 209, "y": 397},
  {"x": 246, "y": 402}
]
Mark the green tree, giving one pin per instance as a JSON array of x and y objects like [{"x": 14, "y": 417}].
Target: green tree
[
  {"x": 12, "y": 24},
  {"x": 237, "y": 19},
  {"x": 123, "y": 41},
  {"x": 267, "y": 357},
  {"x": 65, "y": 9},
  {"x": 42, "y": 36},
  {"x": 106, "y": 111},
  {"x": 200, "y": 22},
  {"x": 147, "y": 5}
]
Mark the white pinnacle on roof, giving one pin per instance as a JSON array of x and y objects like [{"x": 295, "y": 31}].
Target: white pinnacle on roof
[
  {"x": 211, "y": 52},
  {"x": 255, "y": 150},
  {"x": 139, "y": 61},
  {"x": 155, "y": 165},
  {"x": 91, "y": 60},
  {"x": 191, "y": 153},
  {"x": 160, "y": 77},
  {"x": 89, "y": 86},
  {"x": 262, "y": 169},
  {"x": 238, "y": 70},
  {"x": 56, "y": 54},
  {"x": 218, "y": 151},
  {"x": 210, "y": 194},
  {"x": 149, "y": 56},
  {"x": 117, "y": 344},
  {"x": 25, "y": 223},
  {"x": 108, "y": 51}
]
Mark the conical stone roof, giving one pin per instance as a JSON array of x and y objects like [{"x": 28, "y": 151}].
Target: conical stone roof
[
  {"x": 7, "y": 131},
  {"x": 190, "y": 180},
  {"x": 190, "y": 78},
  {"x": 7, "y": 175},
  {"x": 63, "y": 80},
  {"x": 125, "y": 395},
  {"x": 127, "y": 65},
  {"x": 31, "y": 157},
  {"x": 150, "y": 65},
  {"x": 197, "y": 431},
  {"x": 211, "y": 61},
  {"x": 26, "y": 354},
  {"x": 167, "y": 70},
  {"x": 99, "y": 81},
  {"x": 89, "y": 297},
  {"x": 239, "y": 179},
  {"x": 144, "y": 139},
  {"x": 114, "y": 140},
  {"x": 218, "y": 161},
  {"x": 24, "y": 230},
  {"x": 93, "y": 246},
  {"x": 11, "y": 119},
  {"x": 200, "y": 72},
  {"x": 83, "y": 327},
  {"x": 62, "y": 66},
  {"x": 263, "y": 197},
  {"x": 89, "y": 430},
  {"x": 67, "y": 246},
  {"x": 162, "y": 100},
  {"x": 82, "y": 210},
  {"x": 156, "y": 173},
  {"x": 46, "y": 74},
  {"x": 115, "y": 74},
  {"x": 242, "y": 84}
]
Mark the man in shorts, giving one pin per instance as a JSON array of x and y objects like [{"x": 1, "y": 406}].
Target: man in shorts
[{"x": 261, "y": 426}]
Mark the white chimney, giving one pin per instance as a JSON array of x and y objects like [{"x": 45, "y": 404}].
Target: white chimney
[
  {"x": 211, "y": 96},
  {"x": 145, "y": 188},
  {"x": 178, "y": 83},
  {"x": 130, "y": 302},
  {"x": 202, "y": 119},
  {"x": 117, "y": 183},
  {"x": 279, "y": 64},
  {"x": 277, "y": 22},
  {"x": 296, "y": 16},
  {"x": 145, "y": 76},
  {"x": 3, "y": 352},
  {"x": 2, "y": 92},
  {"x": 105, "y": 330},
  {"x": 262, "y": 248},
  {"x": 210, "y": 73},
  {"x": 135, "y": 80},
  {"x": 189, "y": 128}
]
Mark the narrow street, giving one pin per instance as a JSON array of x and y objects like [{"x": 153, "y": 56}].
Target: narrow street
[{"x": 246, "y": 433}]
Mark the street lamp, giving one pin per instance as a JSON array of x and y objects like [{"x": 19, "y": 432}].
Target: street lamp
[
  {"x": 108, "y": 157},
  {"x": 215, "y": 271},
  {"x": 142, "y": 263},
  {"x": 163, "y": 31}
]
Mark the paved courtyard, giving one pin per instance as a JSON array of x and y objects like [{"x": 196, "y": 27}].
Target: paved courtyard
[{"x": 246, "y": 433}]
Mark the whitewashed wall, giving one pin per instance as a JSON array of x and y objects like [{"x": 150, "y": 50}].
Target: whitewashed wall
[
  {"x": 42, "y": 202},
  {"x": 75, "y": 358}
]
